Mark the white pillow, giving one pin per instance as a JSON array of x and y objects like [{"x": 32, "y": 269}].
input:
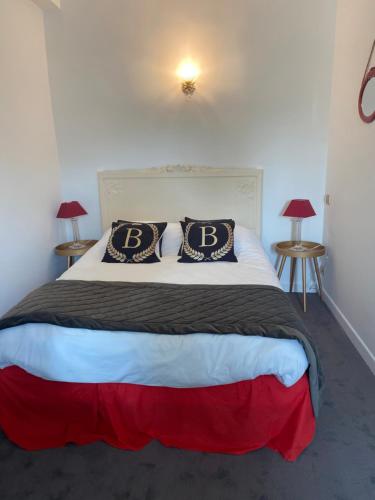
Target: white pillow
[
  {"x": 243, "y": 239},
  {"x": 172, "y": 239}
]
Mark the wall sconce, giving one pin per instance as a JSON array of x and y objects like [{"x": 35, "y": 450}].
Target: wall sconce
[{"x": 188, "y": 72}]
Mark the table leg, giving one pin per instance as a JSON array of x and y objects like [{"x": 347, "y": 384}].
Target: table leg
[
  {"x": 304, "y": 283},
  {"x": 281, "y": 268},
  {"x": 317, "y": 271},
  {"x": 70, "y": 261},
  {"x": 293, "y": 261}
]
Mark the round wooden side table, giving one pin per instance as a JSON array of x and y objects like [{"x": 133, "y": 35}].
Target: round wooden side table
[
  {"x": 66, "y": 251},
  {"x": 310, "y": 250}
]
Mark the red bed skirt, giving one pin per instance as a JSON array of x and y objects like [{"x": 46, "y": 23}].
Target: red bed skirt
[{"x": 234, "y": 418}]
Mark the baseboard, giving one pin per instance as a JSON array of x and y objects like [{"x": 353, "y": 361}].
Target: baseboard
[
  {"x": 350, "y": 331},
  {"x": 297, "y": 287}
]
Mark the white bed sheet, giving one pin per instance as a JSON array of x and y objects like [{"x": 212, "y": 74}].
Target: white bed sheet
[
  {"x": 197, "y": 360},
  {"x": 253, "y": 267}
]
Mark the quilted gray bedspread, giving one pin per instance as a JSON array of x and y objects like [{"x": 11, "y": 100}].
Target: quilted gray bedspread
[{"x": 169, "y": 309}]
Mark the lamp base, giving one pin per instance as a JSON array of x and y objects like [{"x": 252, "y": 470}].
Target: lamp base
[
  {"x": 298, "y": 247},
  {"x": 76, "y": 245}
]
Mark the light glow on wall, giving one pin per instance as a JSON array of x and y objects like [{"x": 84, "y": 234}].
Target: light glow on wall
[{"x": 188, "y": 72}]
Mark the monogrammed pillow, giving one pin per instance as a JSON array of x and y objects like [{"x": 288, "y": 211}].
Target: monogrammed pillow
[
  {"x": 189, "y": 219},
  {"x": 207, "y": 241},
  {"x": 134, "y": 242},
  {"x": 159, "y": 245}
]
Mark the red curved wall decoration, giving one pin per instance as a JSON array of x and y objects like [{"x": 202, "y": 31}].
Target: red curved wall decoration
[{"x": 369, "y": 75}]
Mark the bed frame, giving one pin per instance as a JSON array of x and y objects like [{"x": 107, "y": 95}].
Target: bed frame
[
  {"x": 129, "y": 415},
  {"x": 172, "y": 192}
]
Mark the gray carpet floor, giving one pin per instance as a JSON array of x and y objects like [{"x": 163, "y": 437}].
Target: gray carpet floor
[{"x": 339, "y": 464}]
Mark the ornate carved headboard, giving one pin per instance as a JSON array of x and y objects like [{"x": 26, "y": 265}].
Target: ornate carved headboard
[{"x": 169, "y": 193}]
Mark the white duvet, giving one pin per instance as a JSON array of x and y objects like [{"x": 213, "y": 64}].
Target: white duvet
[{"x": 196, "y": 360}]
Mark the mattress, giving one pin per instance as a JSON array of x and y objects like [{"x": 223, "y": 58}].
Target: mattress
[{"x": 199, "y": 360}]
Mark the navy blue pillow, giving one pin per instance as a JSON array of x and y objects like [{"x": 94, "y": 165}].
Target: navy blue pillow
[
  {"x": 134, "y": 242},
  {"x": 207, "y": 241},
  {"x": 188, "y": 219},
  {"x": 161, "y": 237}
]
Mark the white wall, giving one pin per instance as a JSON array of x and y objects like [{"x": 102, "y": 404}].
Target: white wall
[
  {"x": 262, "y": 98},
  {"x": 349, "y": 229},
  {"x": 29, "y": 177}
]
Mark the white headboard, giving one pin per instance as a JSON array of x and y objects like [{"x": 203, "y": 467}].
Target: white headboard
[{"x": 173, "y": 192}]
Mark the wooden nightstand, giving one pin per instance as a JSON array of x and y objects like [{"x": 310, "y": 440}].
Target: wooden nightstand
[
  {"x": 65, "y": 251},
  {"x": 311, "y": 251}
]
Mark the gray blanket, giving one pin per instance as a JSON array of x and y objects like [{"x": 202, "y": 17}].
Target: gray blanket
[{"x": 169, "y": 309}]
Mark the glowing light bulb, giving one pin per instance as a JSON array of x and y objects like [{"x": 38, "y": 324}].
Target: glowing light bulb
[{"x": 188, "y": 71}]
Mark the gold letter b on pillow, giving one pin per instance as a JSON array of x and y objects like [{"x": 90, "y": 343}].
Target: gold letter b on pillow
[
  {"x": 206, "y": 235},
  {"x": 130, "y": 236}
]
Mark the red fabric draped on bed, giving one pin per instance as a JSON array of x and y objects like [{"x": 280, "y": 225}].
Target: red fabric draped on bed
[{"x": 234, "y": 418}]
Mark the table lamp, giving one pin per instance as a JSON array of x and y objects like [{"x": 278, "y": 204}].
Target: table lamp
[
  {"x": 298, "y": 210},
  {"x": 72, "y": 210}
]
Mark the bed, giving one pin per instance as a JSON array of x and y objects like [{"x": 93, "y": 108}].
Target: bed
[{"x": 197, "y": 389}]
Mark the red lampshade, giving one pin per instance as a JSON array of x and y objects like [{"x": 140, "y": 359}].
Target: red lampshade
[
  {"x": 299, "y": 209},
  {"x": 70, "y": 209}
]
